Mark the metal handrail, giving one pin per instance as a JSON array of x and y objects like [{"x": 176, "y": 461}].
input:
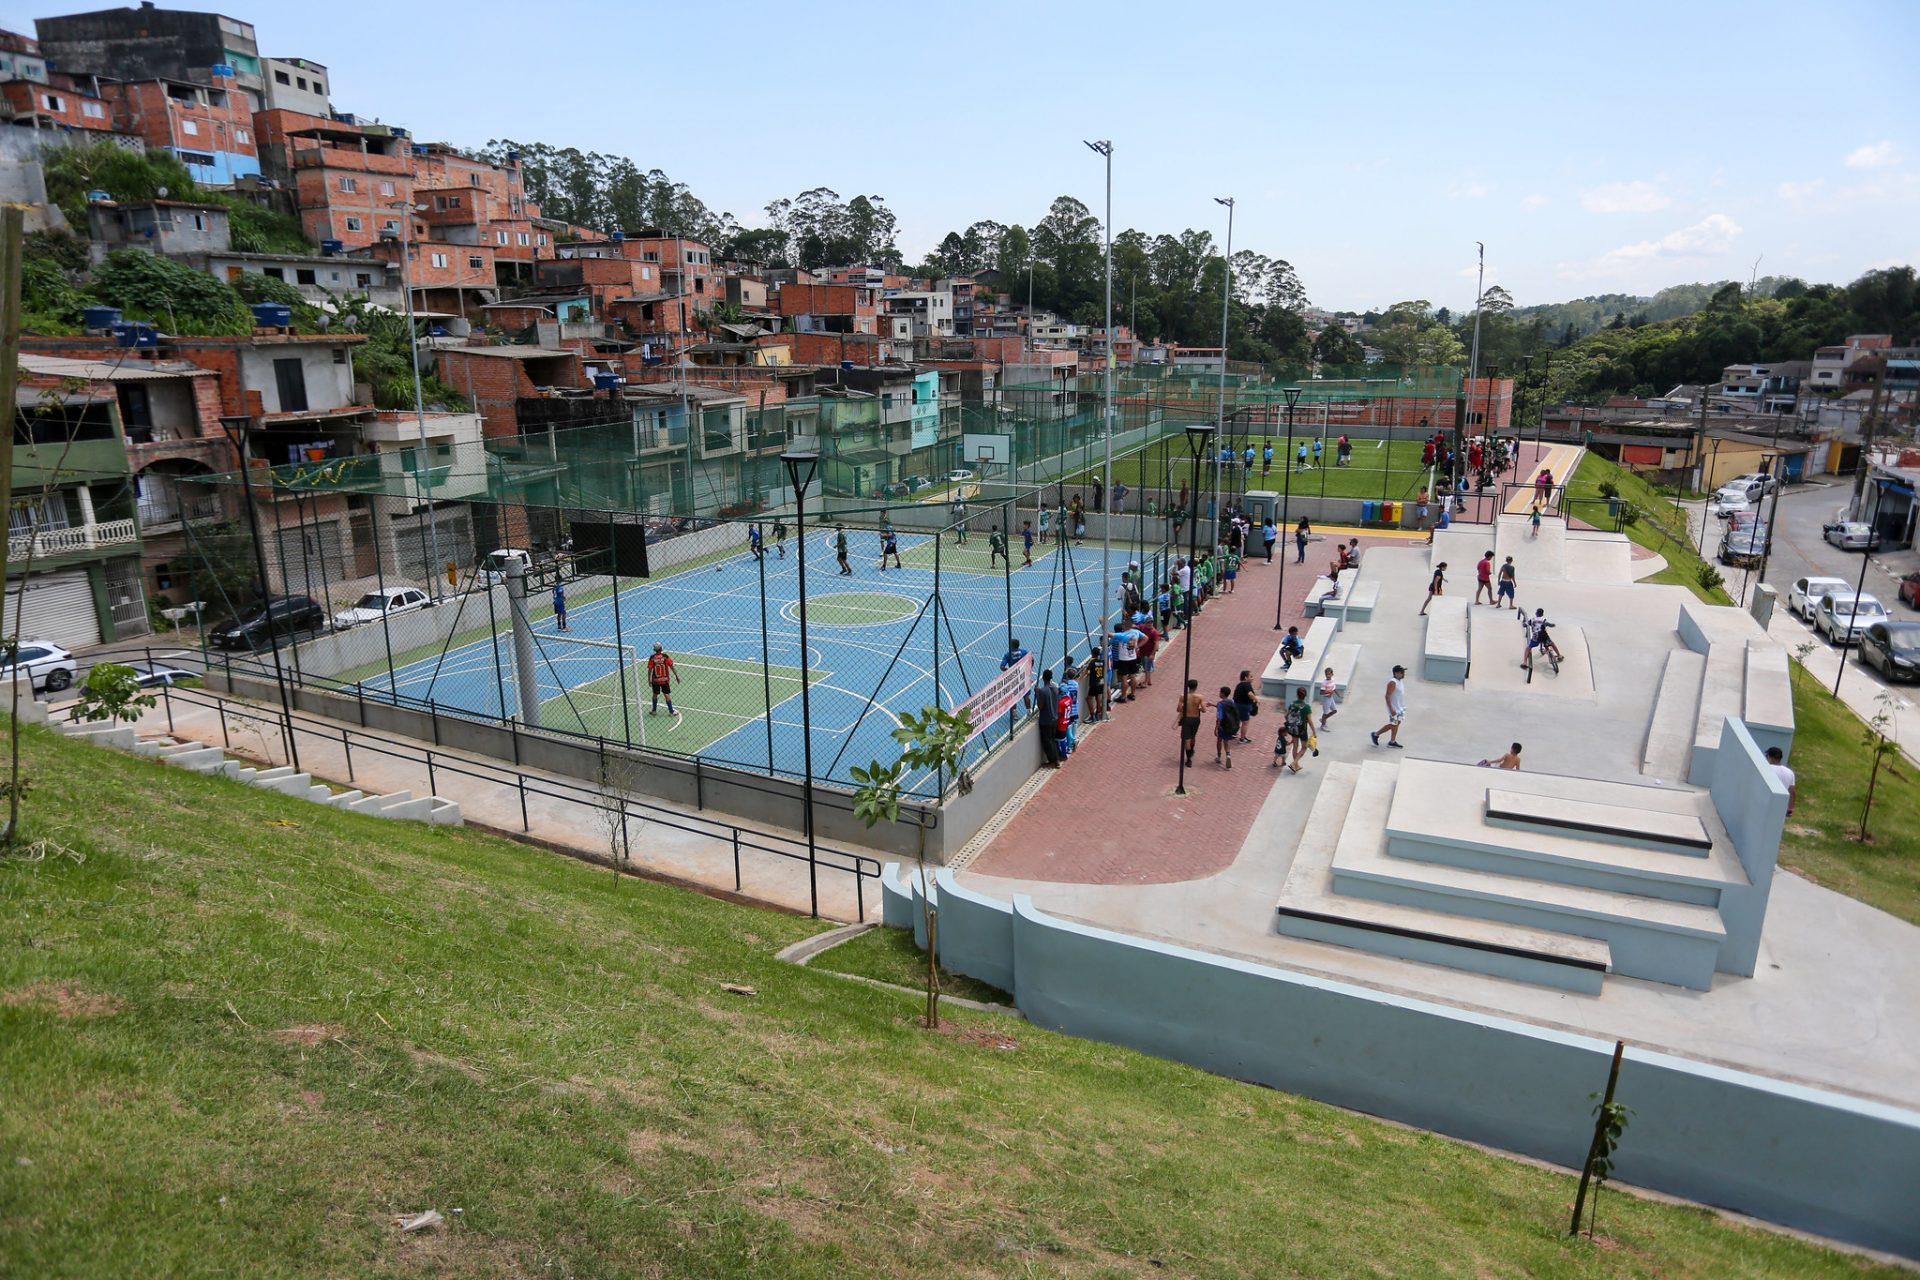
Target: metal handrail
[{"x": 860, "y": 866}]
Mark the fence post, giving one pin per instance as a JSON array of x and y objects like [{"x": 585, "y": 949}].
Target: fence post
[
  {"x": 433, "y": 786},
  {"x": 433, "y": 714},
  {"x": 699, "y": 786},
  {"x": 736, "y": 859},
  {"x": 520, "y": 780},
  {"x": 360, "y": 694},
  {"x": 513, "y": 736},
  {"x": 347, "y": 748},
  {"x": 166, "y": 691}
]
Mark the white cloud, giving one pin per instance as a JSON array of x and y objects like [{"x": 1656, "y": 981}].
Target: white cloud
[
  {"x": 1625, "y": 197},
  {"x": 1713, "y": 234},
  {"x": 1469, "y": 190},
  {"x": 1535, "y": 201},
  {"x": 1799, "y": 193},
  {"x": 1877, "y": 155}
]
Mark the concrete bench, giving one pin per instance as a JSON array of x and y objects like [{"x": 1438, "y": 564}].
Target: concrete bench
[
  {"x": 1356, "y": 605},
  {"x": 1343, "y": 658},
  {"x": 1722, "y": 693},
  {"x": 1323, "y": 587},
  {"x": 1279, "y": 681},
  {"x": 1445, "y": 655}
]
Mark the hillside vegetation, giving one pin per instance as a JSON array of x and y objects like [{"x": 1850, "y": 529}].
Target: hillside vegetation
[{"x": 239, "y": 1034}]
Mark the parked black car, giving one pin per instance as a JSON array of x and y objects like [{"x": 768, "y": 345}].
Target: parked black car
[
  {"x": 283, "y": 616},
  {"x": 1894, "y": 648}
]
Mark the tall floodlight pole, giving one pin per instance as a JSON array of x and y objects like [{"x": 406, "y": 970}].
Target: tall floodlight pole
[
  {"x": 1105, "y": 149},
  {"x": 421, "y": 471},
  {"x": 1197, "y": 448},
  {"x": 801, "y": 464},
  {"x": 1473, "y": 364},
  {"x": 1540, "y": 423},
  {"x": 1292, "y": 395},
  {"x": 1220, "y": 410}
]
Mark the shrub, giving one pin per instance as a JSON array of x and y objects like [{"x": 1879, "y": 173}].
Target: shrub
[
  {"x": 1608, "y": 489},
  {"x": 1709, "y": 578},
  {"x": 159, "y": 290}
]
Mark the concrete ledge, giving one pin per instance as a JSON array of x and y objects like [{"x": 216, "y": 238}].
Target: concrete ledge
[
  {"x": 1446, "y": 651},
  {"x": 1767, "y": 704},
  {"x": 1676, "y": 711},
  {"x": 1280, "y": 680},
  {"x": 1343, "y": 658}
]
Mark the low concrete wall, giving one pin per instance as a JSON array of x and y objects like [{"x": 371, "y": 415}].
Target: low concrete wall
[
  {"x": 1807, "y": 1158},
  {"x": 1752, "y": 804}
]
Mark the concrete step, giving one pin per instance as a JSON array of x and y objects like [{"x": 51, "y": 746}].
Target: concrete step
[
  {"x": 1280, "y": 680},
  {"x": 1309, "y": 908},
  {"x": 1446, "y": 651},
  {"x": 1767, "y": 701},
  {"x": 1439, "y": 813},
  {"x": 1676, "y": 713},
  {"x": 1651, "y": 938},
  {"x": 1722, "y": 694}
]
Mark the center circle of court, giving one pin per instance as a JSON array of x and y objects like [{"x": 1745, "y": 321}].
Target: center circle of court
[{"x": 854, "y": 609}]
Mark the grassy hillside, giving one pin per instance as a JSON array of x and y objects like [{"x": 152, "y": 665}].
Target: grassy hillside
[
  {"x": 1831, "y": 764},
  {"x": 239, "y": 1033},
  {"x": 1662, "y": 526}
]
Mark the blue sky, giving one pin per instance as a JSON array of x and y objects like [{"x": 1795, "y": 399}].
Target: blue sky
[{"x": 1594, "y": 149}]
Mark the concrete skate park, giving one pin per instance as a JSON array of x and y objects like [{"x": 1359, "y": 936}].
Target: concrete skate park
[{"x": 1458, "y": 947}]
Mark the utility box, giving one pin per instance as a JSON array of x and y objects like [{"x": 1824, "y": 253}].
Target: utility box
[{"x": 1761, "y": 607}]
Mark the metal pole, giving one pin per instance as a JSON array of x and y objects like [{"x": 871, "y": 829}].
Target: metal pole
[
  {"x": 766, "y": 674},
  {"x": 1105, "y": 148},
  {"x": 1195, "y": 436},
  {"x": 1473, "y": 368},
  {"x": 239, "y": 433},
  {"x": 1286, "y": 514},
  {"x": 419, "y": 396},
  {"x": 1220, "y": 410},
  {"x": 619, "y": 631},
  {"x": 1859, "y": 587},
  {"x": 524, "y": 672},
  {"x": 794, "y": 464}
]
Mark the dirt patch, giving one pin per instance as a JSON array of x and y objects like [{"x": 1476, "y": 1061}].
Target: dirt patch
[
  {"x": 310, "y": 1033},
  {"x": 983, "y": 1037},
  {"x": 63, "y": 1000}
]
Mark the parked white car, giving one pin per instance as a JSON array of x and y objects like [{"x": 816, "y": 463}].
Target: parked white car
[
  {"x": 1843, "y": 615},
  {"x": 1726, "y": 502},
  {"x": 1755, "y": 485},
  {"x": 1804, "y": 596},
  {"x": 383, "y": 603},
  {"x": 956, "y": 476},
  {"x": 48, "y": 667},
  {"x": 1850, "y": 535}
]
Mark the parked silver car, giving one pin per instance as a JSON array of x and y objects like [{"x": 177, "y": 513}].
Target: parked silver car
[
  {"x": 383, "y": 603},
  {"x": 1843, "y": 615},
  {"x": 1850, "y": 535}
]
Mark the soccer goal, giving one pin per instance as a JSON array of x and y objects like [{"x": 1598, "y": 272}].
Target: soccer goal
[{"x": 589, "y": 686}]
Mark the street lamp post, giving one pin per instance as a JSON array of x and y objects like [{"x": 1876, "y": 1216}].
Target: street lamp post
[
  {"x": 1198, "y": 446},
  {"x": 1220, "y": 410},
  {"x": 1105, "y": 149},
  {"x": 238, "y": 428},
  {"x": 1292, "y": 395},
  {"x": 422, "y": 469},
  {"x": 801, "y": 465}
]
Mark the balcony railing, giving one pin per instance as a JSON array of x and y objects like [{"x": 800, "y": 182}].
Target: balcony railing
[
  {"x": 86, "y": 537},
  {"x": 160, "y": 515}
]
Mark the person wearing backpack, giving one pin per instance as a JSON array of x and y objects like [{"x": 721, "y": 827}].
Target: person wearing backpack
[
  {"x": 1300, "y": 727},
  {"x": 1226, "y": 727},
  {"x": 1246, "y": 703}
]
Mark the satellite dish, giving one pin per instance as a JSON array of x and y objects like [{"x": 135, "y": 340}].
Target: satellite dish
[{"x": 161, "y": 193}]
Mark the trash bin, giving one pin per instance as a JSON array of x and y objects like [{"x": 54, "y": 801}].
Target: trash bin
[
  {"x": 1613, "y": 508},
  {"x": 1366, "y": 511},
  {"x": 1387, "y": 513}
]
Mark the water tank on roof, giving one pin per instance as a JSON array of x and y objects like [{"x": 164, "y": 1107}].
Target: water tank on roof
[
  {"x": 513, "y": 157},
  {"x": 99, "y": 197},
  {"x": 345, "y": 117},
  {"x": 419, "y": 148},
  {"x": 272, "y": 315},
  {"x": 619, "y": 237},
  {"x": 130, "y": 334},
  {"x": 223, "y": 69},
  {"x": 607, "y": 381},
  {"x": 331, "y": 247},
  {"x": 92, "y": 318}
]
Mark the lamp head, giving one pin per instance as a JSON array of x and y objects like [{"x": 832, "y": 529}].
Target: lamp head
[
  {"x": 1225, "y": 200},
  {"x": 1292, "y": 394}
]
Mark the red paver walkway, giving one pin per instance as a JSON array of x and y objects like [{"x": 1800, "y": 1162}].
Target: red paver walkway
[{"x": 1110, "y": 816}]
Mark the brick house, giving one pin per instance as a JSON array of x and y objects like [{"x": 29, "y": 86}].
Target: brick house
[{"x": 208, "y": 127}]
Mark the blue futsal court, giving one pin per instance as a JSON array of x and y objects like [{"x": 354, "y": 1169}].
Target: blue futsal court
[{"x": 878, "y": 646}]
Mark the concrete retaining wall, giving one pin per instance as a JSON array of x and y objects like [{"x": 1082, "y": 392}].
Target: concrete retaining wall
[
  {"x": 1752, "y": 804},
  {"x": 1803, "y": 1157}
]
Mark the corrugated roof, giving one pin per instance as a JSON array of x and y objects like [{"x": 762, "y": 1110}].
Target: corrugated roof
[{"x": 109, "y": 370}]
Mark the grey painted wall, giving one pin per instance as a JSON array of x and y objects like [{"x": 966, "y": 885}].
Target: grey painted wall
[{"x": 1819, "y": 1161}]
